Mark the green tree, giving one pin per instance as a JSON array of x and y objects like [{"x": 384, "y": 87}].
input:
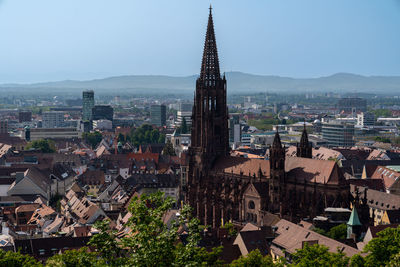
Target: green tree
[
  {"x": 319, "y": 231},
  {"x": 338, "y": 232},
  {"x": 161, "y": 139},
  {"x": 145, "y": 134},
  {"x": 152, "y": 243},
  {"x": 45, "y": 145},
  {"x": 169, "y": 149},
  {"x": 73, "y": 258},
  {"x": 384, "y": 248},
  {"x": 253, "y": 259},
  {"x": 395, "y": 261},
  {"x": 357, "y": 261},
  {"x": 317, "y": 255},
  {"x": 92, "y": 139},
  {"x": 382, "y": 113},
  {"x": 231, "y": 228},
  {"x": 121, "y": 138},
  {"x": 382, "y": 139},
  {"x": 55, "y": 202},
  {"x": 105, "y": 243},
  {"x": 16, "y": 259}
]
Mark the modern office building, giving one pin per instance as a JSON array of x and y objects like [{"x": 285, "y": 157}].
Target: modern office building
[
  {"x": 24, "y": 116},
  {"x": 245, "y": 139},
  {"x": 180, "y": 115},
  {"x": 87, "y": 105},
  {"x": 366, "y": 119},
  {"x": 235, "y": 129},
  {"x": 102, "y": 124},
  {"x": 352, "y": 104},
  {"x": 3, "y": 126},
  {"x": 102, "y": 112},
  {"x": 185, "y": 107},
  {"x": 54, "y": 133},
  {"x": 53, "y": 119},
  {"x": 158, "y": 115},
  {"x": 184, "y": 111},
  {"x": 338, "y": 133}
]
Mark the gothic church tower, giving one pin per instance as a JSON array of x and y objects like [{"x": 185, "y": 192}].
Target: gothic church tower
[{"x": 210, "y": 136}]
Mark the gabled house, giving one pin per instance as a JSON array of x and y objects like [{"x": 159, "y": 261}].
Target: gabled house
[
  {"x": 390, "y": 176},
  {"x": 63, "y": 177},
  {"x": 31, "y": 182},
  {"x": 292, "y": 237},
  {"x": 75, "y": 205},
  {"x": 250, "y": 239}
]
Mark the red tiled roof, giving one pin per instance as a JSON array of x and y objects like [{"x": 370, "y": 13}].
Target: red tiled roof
[
  {"x": 144, "y": 156},
  {"x": 292, "y": 237},
  {"x": 388, "y": 176},
  {"x": 319, "y": 171}
]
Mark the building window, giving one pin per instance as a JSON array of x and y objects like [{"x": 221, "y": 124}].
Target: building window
[{"x": 251, "y": 205}]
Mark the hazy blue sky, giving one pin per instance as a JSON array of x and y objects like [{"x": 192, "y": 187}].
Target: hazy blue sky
[{"x": 42, "y": 40}]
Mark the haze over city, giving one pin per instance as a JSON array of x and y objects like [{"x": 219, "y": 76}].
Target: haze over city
[{"x": 45, "y": 40}]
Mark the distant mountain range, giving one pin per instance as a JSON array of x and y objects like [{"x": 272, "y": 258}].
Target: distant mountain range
[{"x": 238, "y": 82}]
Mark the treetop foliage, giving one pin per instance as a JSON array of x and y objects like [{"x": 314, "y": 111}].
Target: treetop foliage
[
  {"x": 45, "y": 145},
  {"x": 145, "y": 134},
  {"x": 150, "y": 242}
]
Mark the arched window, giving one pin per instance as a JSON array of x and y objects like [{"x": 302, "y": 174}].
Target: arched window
[{"x": 251, "y": 205}]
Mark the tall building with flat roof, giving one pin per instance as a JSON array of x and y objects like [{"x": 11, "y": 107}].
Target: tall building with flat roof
[
  {"x": 158, "y": 115},
  {"x": 87, "y": 105},
  {"x": 3, "y": 126},
  {"x": 53, "y": 119},
  {"x": 102, "y": 112},
  {"x": 366, "y": 119},
  {"x": 338, "y": 133}
]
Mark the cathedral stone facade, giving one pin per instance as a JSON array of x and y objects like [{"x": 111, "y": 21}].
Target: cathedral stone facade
[{"x": 221, "y": 187}]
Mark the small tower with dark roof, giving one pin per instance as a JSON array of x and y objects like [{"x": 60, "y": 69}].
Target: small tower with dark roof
[{"x": 304, "y": 148}]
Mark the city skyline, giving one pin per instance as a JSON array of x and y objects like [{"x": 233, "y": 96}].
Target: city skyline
[{"x": 46, "y": 41}]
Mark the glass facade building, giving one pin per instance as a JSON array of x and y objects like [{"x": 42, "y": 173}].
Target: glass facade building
[
  {"x": 158, "y": 115},
  {"x": 87, "y": 105}
]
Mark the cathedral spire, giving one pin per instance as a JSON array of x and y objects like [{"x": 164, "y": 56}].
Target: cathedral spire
[
  {"x": 210, "y": 64},
  {"x": 304, "y": 137},
  {"x": 304, "y": 148},
  {"x": 277, "y": 140},
  {"x": 210, "y": 113}
]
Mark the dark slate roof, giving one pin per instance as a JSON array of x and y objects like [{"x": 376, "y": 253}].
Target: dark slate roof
[
  {"x": 148, "y": 180},
  {"x": 256, "y": 240},
  {"x": 39, "y": 177},
  {"x": 379, "y": 200},
  {"x": 62, "y": 171},
  {"x": 49, "y": 246}
]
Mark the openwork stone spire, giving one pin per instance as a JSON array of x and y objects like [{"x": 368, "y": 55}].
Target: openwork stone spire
[
  {"x": 210, "y": 65},
  {"x": 277, "y": 141},
  {"x": 304, "y": 137},
  {"x": 304, "y": 148}
]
